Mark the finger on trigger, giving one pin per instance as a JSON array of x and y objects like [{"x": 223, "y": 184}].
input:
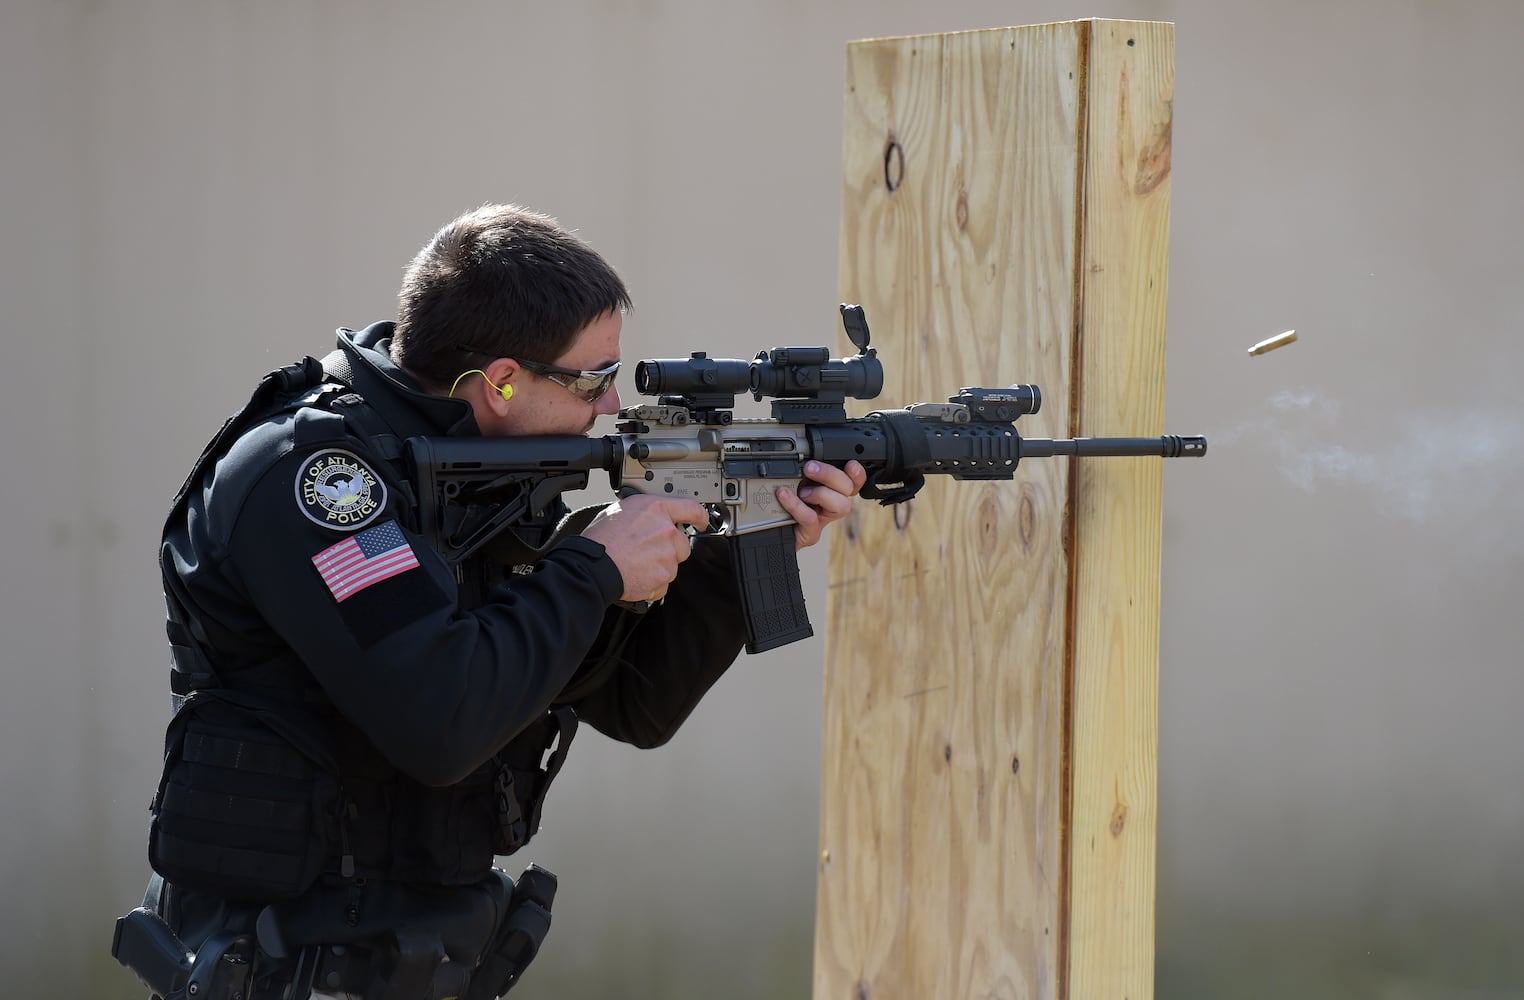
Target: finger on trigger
[{"x": 687, "y": 512}]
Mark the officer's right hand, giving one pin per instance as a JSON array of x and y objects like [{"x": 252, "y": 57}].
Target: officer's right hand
[{"x": 642, "y": 535}]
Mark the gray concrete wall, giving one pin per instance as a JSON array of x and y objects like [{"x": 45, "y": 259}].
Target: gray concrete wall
[{"x": 194, "y": 193}]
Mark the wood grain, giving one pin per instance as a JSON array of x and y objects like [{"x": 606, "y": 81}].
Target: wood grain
[
  {"x": 991, "y": 648},
  {"x": 1117, "y": 511},
  {"x": 940, "y": 871}
]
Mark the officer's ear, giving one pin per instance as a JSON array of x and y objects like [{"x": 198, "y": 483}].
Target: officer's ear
[{"x": 501, "y": 375}]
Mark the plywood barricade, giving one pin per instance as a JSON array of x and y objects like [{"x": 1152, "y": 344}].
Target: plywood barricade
[{"x": 991, "y": 738}]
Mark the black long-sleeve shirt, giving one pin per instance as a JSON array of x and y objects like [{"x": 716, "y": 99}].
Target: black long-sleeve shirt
[{"x": 435, "y": 688}]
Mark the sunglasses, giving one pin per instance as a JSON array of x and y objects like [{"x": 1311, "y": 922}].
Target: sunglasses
[{"x": 589, "y": 386}]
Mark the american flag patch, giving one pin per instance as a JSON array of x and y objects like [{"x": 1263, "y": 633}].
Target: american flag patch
[{"x": 373, "y": 555}]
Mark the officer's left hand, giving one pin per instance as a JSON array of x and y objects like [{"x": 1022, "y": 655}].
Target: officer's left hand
[{"x": 824, "y": 495}]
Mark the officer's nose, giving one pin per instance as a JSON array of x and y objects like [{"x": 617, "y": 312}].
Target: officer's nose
[{"x": 608, "y": 402}]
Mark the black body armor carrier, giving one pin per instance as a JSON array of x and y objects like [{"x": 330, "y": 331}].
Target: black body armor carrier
[{"x": 267, "y": 791}]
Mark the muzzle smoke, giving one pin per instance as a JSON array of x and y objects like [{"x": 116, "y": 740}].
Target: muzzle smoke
[{"x": 1427, "y": 466}]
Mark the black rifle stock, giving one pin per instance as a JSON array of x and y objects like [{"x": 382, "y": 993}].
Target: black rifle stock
[{"x": 689, "y": 445}]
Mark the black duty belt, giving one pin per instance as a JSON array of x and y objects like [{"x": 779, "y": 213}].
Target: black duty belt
[{"x": 385, "y": 941}]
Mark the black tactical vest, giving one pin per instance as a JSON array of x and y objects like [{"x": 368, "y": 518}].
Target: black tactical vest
[{"x": 267, "y": 790}]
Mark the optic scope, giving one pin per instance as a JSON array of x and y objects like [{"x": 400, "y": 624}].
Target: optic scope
[
  {"x": 698, "y": 374},
  {"x": 784, "y": 372}
]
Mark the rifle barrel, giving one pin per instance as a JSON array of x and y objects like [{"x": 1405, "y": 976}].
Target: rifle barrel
[{"x": 1166, "y": 446}]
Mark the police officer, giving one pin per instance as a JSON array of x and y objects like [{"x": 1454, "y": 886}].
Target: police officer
[{"x": 360, "y": 727}]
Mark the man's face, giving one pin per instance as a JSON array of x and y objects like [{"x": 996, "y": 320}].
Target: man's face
[{"x": 540, "y": 405}]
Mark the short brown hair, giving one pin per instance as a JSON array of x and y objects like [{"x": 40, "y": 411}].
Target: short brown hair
[{"x": 501, "y": 281}]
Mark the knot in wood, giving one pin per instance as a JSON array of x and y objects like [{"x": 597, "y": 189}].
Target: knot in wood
[
  {"x": 1026, "y": 517},
  {"x": 894, "y": 164},
  {"x": 851, "y": 525}
]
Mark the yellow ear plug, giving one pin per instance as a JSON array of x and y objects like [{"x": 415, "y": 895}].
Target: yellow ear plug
[{"x": 505, "y": 390}]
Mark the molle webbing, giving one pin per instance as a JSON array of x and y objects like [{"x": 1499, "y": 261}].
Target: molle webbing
[
  {"x": 243, "y": 755},
  {"x": 248, "y": 806}
]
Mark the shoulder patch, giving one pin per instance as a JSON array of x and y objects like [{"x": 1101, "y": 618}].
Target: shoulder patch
[
  {"x": 359, "y": 561},
  {"x": 337, "y": 490}
]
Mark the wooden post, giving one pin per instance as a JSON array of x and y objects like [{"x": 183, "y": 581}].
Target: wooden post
[{"x": 991, "y": 738}]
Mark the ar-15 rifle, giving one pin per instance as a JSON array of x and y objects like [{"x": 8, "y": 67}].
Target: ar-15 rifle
[{"x": 689, "y": 445}]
